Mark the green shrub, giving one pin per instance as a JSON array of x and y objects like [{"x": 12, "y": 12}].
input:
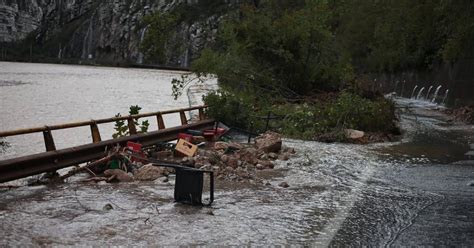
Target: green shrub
[
  {"x": 305, "y": 121},
  {"x": 233, "y": 110}
]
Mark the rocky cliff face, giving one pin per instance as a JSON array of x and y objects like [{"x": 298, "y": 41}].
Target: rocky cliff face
[{"x": 104, "y": 31}]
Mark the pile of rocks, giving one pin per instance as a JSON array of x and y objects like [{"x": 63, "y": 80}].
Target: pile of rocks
[
  {"x": 228, "y": 160},
  {"x": 235, "y": 161}
]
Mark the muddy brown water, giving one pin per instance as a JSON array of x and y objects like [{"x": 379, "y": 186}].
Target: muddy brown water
[{"x": 406, "y": 193}]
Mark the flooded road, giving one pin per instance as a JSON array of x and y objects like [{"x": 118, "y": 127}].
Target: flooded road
[{"x": 408, "y": 193}]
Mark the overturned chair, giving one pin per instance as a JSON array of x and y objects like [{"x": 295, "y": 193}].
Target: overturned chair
[{"x": 189, "y": 184}]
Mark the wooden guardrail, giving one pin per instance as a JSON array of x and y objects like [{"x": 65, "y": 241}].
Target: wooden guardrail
[
  {"x": 95, "y": 133},
  {"x": 53, "y": 159}
]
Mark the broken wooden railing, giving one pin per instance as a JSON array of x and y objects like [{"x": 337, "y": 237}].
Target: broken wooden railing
[{"x": 54, "y": 159}]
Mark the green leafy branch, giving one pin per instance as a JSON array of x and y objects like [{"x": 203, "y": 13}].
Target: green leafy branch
[{"x": 121, "y": 128}]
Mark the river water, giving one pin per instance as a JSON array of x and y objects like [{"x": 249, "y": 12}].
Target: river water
[
  {"x": 408, "y": 193},
  {"x": 34, "y": 95}
]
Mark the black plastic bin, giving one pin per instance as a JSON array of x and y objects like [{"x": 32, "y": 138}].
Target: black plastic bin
[{"x": 189, "y": 186}]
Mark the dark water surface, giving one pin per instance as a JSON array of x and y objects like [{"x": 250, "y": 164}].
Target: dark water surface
[{"x": 407, "y": 193}]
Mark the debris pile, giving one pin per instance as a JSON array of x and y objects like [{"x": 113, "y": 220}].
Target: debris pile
[
  {"x": 235, "y": 161},
  {"x": 228, "y": 160}
]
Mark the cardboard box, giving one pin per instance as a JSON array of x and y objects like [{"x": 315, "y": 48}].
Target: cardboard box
[{"x": 186, "y": 148}]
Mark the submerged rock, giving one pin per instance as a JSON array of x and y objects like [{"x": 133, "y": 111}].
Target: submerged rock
[
  {"x": 284, "y": 185},
  {"x": 108, "y": 206}
]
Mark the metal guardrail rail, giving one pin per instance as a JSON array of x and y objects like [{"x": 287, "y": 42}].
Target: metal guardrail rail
[{"x": 53, "y": 159}]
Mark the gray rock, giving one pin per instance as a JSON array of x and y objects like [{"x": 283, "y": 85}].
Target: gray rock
[
  {"x": 353, "y": 134},
  {"x": 149, "y": 173},
  {"x": 224, "y": 158},
  {"x": 108, "y": 206},
  {"x": 272, "y": 155},
  {"x": 284, "y": 185},
  {"x": 269, "y": 142},
  {"x": 189, "y": 161},
  {"x": 233, "y": 162},
  {"x": 284, "y": 156},
  {"x": 120, "y": 175}
]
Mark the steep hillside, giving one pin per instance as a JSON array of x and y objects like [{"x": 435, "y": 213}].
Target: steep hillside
[{"x": 98, "y": 31}]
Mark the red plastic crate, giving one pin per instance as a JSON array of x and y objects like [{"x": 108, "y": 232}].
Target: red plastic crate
[
  {"x": 134, "y": 146},
  {"x": 185, "y": 136}
]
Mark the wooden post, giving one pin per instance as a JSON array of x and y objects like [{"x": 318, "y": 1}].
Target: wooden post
[
  {"x": 201, "y": 114},
  {"x": 182, "y": 115},
  {"x": 132, "y": 129},
  {"x": 49, "y": 141},
  {"x": 161, "y": 123},
  {"x": 95, "y": 133}
]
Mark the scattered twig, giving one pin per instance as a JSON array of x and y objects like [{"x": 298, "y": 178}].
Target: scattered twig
[
  {"x": 79, "y": 202},
  {"x": 9, "y": 186},
  {"x": 86, "y": 167},
  {"x": 89, "y": 170}
]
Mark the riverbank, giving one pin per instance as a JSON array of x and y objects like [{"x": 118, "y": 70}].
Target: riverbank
[{"x": 99, "y": 64}]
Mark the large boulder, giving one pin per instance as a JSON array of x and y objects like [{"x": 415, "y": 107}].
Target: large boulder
[
  {"x": 249, "y": 155},
  {"x": 353, "y": 134},
  {"x": 119, "y": 175},
  {"x": 149, "y": 172},
  {"x": 269, "y": 142}
]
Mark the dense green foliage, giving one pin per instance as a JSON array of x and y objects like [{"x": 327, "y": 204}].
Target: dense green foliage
[
  {"x": 230, "y": 108},
  {"x": 404, "y": 34},
  {"x": 348, "y": 110},
  {"x": 291, "y": 50},
  {"x": 294, "y": 49},
  {"x": 287, "y": 51}
]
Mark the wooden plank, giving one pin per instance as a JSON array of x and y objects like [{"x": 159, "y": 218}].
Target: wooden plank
[
  {"x": 87, "y": 123},
  {"x": 16, "y": 168},
  {"x": 161, "y": 123},
  {"x": 48, "y": 141},
  {"x": 183, "y": 118},
  {"x": 95, "y": 133},
  {"x": 201, "y": 114}
]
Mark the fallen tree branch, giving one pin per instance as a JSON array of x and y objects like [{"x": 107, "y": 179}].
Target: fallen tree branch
[{"x": 86, "y": 167}]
